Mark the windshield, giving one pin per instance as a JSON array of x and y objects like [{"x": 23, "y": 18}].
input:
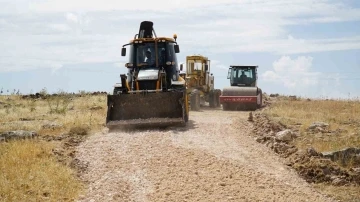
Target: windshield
[
  {"x": 244, "y": 76},
  {"x": 146, "y": 54}
]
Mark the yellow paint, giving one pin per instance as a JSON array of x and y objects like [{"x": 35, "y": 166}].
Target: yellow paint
[
  {"x": 187, "y": 104},
  {"x": 196, "y": 57},
  {"x": 157, "y": 85},
  {"x": 153, "y": 39}
]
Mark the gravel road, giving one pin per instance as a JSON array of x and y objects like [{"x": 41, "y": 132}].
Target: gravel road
[{"x": 209, "y": 160}]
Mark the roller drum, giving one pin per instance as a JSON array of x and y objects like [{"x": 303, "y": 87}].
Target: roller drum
[{"x": 239, "y": 98}]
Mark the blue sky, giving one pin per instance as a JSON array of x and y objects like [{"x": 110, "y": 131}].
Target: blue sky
[{"x": 303, "y": 47}]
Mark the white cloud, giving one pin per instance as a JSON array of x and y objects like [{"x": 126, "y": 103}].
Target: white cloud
[
  {"x": 293, "y": 73},
  {"x": 106, "y": 5},
  {"x": 217, "y": 65},
  {"x": 72, "y": 17},
  {"x": 68, "y": 32},
  {"x": 60, "y": 27}
]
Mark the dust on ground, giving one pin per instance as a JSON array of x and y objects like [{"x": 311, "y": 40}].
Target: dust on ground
[{"x": 213, "y": 159}]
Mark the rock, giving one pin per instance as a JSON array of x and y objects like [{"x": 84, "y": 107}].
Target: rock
[
  {"x": 285, "y": 135},
  {"x": 270, "y": 144},
  {"x": 95, "y": 108},
  {"x": 222, "y": 184},
  {"x": 250, "y": 117},
  {"x": 345, "y": 156},
  {"x": 26, "y": 119},
  {"x": 319, "y": 129},
  {"x": 19, "y": 134},
  {"x": 51, "y": 125},
  {"x": 259, "y": 139},
  {"x": 356, "y": 170},
  {"x": 338, "y": 181},
  {"x": 280, "y": 147},
  {"x": 318, "y": 124},
  {"x": 312, "y": 152}
]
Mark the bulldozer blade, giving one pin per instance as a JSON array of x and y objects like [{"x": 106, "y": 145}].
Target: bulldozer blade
[{"x": 150, "y": 109}]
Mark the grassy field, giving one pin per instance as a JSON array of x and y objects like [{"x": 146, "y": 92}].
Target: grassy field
[
  {"x": 343, "y": 131},
  {"x": 341, "y": 115},
  {"x": 29, "y": 170}
]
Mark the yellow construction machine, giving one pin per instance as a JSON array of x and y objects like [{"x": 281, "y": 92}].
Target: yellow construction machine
[
  {"x": 152, "y": 92},
  {"x": 243, "y": 92},
  {"x": 200, "y": 83}
]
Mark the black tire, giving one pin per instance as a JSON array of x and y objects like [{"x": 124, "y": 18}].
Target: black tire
[
  {"x": 212, "y": 99},
  {"x": 195, "y": 100},
  {"x": 260, "y": 105},
  {"x": 218, "y": 93}
]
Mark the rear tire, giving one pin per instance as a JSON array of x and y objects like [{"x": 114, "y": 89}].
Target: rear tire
[
  {"x": 217, "y": 97},
  {"x": 195, "y": 100},
  {"x": 260, "y": 105},
  {"x": 214, "y": 99}
]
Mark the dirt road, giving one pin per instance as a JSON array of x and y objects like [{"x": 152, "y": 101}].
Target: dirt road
[{"x": 207, "y": 161}]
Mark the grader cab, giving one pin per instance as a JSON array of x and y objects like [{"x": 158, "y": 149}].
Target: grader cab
[{"x": 200, "y": 82}]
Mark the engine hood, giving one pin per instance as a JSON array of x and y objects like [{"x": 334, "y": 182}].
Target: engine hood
[{"x": 148, "y": 74}]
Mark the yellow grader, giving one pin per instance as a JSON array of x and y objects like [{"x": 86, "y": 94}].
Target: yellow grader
[
  {"x": 152, "y": 92},
  {"x": 243, "y": 92},
  {"x": 200, "y": 83}
]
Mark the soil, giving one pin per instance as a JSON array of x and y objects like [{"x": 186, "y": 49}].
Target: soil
[
  {"x": 214, "y": 158},
  {"x": 310, "y": 164}
]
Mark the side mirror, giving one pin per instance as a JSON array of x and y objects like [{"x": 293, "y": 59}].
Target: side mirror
[
  {"x": 181, "y": 67},
  {"x": 229, "y": 74},
  {"x": 177, "y": 49},
  {"x": 123, "y": 51},
  {"x": 206, "y": 68}
]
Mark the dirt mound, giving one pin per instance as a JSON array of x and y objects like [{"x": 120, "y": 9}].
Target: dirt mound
[
  {"x": 309, "y": 164},
  {"x": 314, "y": 168},
  {"x": 65, "y": 150},
  {"x": 44, "y": 96}
]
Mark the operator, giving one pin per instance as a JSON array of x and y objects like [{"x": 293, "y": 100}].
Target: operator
[
  {"x": 149, "y": 59},
  {"x": 243, "y": 77},
  {"x": 162, "y": 57}
]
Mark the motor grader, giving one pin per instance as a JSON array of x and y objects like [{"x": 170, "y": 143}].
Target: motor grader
[
  {"x": 243, "y": 92},
  {"x": 200, "y": 83},
  {"x": 152, "y": 92}
]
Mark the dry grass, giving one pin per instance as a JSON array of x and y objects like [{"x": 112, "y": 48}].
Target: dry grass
[
  {"x": 344, "y": 122},
  {"x": 65, "y": 111},
  {"x": 342, "y": 116},
  {"x": 29, "y": 171},
  {"x": 344, "y": 193}
]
